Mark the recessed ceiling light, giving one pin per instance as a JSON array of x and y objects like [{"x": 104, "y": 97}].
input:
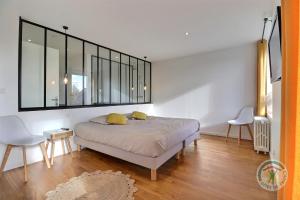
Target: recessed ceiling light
[
  {"x": 187, "y": 33},
  {"x": 29, "y": 40}
]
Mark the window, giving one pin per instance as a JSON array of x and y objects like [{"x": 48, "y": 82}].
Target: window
[{"x": 60, "y": 71}]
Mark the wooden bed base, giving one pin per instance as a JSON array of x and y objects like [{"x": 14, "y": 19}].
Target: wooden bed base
[{"x": 151, "y": 163}]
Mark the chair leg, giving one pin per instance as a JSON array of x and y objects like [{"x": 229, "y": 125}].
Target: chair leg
[
  {"x": 45, "y": 155},
  {"x": 78, "y": 147},
  {"x": 240, "y": 134},
  {"x": 5, "y": 158},
  {"x": 25, "y": 164},
  {"x": 250, "y": 132},
  {"x": 229, "y": 127},
  {"x": 178, "y": 155}
]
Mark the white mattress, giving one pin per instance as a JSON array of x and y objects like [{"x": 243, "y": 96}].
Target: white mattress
[{"x": 151, "y": 137}]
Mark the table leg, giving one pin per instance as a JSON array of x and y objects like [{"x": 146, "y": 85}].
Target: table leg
[
  {"x": 52, "y": 152},
  {"x": 46, "y": 149},
  {"x": 45, "y": 155},
  {"x": 47, "y": 145},
  {"x": 63, "y": 145},
  {"x": 69, "y": 146}
]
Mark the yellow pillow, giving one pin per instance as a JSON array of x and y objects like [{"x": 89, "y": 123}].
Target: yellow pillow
[
  {"x": 139, "y": 115},
  {"x": 115, "y": 118}
]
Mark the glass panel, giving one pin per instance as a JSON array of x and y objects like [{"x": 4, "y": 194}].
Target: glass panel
[
  {"x": 90, "y": 74},
  {"x": 147, "y": 82},
  {"x": 104, "y": 53},
  {"x": 133, "y": 80},
  {"x": 74, "y": 73},
  {"x": 104, "y": 74},
  {"x": 32, "y": 66},
  {"x": 125, "y": 86},
  {"x": 94, "y": 78},
  {"x": 115, "y": 77},
  {"x": 141, "y": 80},
  {"x": 55, "y": 87}
]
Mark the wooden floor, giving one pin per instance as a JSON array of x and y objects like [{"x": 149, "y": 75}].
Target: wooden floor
[{"x": 213, "y": 170}]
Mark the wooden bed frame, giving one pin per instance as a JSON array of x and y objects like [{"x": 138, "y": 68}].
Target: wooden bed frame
[{"x": 152, "y": 163}]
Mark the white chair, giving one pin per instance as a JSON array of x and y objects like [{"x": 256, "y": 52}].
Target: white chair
[
  {"x": 245, "y": 118},
  {"x": 13, "y": 133}
]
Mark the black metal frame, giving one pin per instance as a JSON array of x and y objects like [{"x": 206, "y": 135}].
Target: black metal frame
[
  {"x": 277, "y": 18},
  {"x": 66, "y": 106}
]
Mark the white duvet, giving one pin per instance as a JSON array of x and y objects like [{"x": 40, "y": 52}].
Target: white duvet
[{"x": 150, "y": 137}]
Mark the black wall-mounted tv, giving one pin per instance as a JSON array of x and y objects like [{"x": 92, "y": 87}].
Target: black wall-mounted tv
[{"x": 275, "y": 48}]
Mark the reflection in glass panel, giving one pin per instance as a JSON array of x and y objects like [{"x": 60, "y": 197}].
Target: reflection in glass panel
[
  {"x": 115, "y": 77},
  {"x": 125, "y": 86},
  {"x": 90, "y": 72},
  {"x": 133, "y": 80},
  {"x": 147, "y": 82},
  {"x": 141, "y": 79},
  {"x": 32, "y": 66},
  {"x": 75, "y": 76},
  {"x": 55, "y": 87}
]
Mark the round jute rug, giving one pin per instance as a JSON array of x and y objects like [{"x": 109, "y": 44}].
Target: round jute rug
[{"x": 100, "y": 185}]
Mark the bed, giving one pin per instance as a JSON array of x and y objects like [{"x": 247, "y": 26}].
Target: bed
[{"x": 148, "y": 143}]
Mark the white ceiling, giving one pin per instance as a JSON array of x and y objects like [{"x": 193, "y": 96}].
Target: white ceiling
[{"x": 155, "y": 28}]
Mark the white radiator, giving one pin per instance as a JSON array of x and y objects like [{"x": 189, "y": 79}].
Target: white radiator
[{"x": 261, "y": 134}]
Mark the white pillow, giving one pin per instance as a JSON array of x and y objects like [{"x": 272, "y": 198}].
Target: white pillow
[{"x": 100, "y": 120}]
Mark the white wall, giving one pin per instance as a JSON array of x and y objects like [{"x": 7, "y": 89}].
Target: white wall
[
  {"x": 275, "y": 120},
  {"x": 211, "y": 87},
  {"x": 35, "y": 121}
]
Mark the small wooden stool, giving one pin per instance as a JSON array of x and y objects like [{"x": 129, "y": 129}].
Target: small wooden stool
[{"x": 55, "y": 135}]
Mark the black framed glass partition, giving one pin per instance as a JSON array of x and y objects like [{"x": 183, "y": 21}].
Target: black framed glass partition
[{"x": 61, "y": 71}]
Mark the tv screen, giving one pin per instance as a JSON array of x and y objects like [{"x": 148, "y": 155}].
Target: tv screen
[{"x": 275, "y": 48}]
